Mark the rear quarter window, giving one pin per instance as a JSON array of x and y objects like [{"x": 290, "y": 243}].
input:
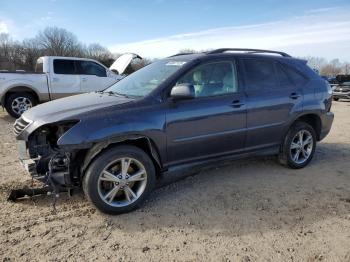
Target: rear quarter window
[{"x": 294, "y": 77}]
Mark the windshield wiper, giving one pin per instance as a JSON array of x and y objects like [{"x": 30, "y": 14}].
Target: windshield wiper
[{"x": 116, "y": 94}]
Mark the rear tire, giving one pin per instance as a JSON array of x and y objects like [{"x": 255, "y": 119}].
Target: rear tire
[
  {"x": 17, "y": 103},
  {"x": 111, "y": 176},
  {"x": 299, "y": 146},
  {"x": 335, "y": 98}
]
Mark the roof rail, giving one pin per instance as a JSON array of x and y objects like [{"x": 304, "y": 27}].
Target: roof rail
[
  {"x": 248, "y": 50},
  {"x": 188, "y": 53}
]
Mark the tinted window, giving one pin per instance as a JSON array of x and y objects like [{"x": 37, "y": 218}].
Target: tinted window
[
  {"x": 61, "y": 66},
  {"x": 91, "y": 68},
  {"x": 296, "y": 77},
  {"x": 212, "y": 79},
  {"x": 285, "y": 80},
  {"x": 260, "y": 74}
]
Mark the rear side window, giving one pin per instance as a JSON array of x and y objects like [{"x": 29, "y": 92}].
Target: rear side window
[
  {"x": 289, "y": 77},
  {"x": 91, "y": 68},
  {"x": 260, "y": 74},
  {"x": 61, "y": 66}
]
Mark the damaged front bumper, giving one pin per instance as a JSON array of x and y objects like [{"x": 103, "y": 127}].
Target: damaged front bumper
[
  {"x": 40, "y": 155},
  {"x": 53, "y": 169}
]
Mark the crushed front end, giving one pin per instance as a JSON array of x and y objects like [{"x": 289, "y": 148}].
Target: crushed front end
[{"x": 42, "y": 157}]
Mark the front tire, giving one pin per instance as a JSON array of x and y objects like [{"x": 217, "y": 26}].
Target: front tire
[
  {"x": 17, "y": 103},
  {"x": 119, "y": 179},
  {"x": 335, "y": 98},
  {"x": 299, "y": 146}
]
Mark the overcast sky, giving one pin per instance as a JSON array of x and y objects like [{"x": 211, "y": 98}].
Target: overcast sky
[{"x": 159, "y": 28}]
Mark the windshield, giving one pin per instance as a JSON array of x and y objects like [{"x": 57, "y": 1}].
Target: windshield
[{"x": 145, "y": 80}]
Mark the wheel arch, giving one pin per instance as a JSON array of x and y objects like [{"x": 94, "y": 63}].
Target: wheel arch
[
  {"x": 142, "y": 142},
  {"x": 313, "y": 119},
  {"x": 17, "y": 89}
]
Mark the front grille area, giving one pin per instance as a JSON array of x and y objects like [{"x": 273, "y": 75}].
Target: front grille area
[{"x": 20, "y": 125}]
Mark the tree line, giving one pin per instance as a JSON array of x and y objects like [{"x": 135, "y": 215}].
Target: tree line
[
  {"x": 328, "y": 68},
  {"x": 52, "y": 41}
]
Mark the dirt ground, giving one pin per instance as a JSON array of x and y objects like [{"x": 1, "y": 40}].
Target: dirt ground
[{"x": 251, "y": 210}]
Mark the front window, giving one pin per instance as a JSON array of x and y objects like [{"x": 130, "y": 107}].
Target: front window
[
  {"x": 216, "y": 78},
  {"x": 147, "y": 79},
  {"x": 91, "y": 68}
]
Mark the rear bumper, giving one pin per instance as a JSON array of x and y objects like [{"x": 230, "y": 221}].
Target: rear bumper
[{"x": 327, "y": 121}]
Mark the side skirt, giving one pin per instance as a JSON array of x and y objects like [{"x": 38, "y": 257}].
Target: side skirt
[{"x": 177, "y": 172}]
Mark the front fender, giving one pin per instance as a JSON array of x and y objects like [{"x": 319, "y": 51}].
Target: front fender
[{"x": 111, "y": 128}]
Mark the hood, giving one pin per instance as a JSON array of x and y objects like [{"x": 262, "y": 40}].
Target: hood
[
  {"x": 123, "y": 62},
  {"x": 71, "y": 107}
]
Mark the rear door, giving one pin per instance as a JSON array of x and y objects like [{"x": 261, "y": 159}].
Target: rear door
[
  {"x": 211, "y": 124},
  {"x": 64, "y": 79},
  {"x": 93, "y": 76},
  {"x": 272, "y": 97}
]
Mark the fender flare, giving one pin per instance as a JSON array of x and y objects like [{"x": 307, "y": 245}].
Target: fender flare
[{"x": 99, "y": 147}]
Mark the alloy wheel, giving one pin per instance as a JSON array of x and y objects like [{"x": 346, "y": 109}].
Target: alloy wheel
[
  {"x": 122, "y": 182},
  {"x": 21, "y": 104},
  {"x": 301, "y": 146}
]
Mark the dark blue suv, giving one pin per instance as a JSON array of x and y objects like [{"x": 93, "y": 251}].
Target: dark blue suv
[{"x": 173, "y": 117}]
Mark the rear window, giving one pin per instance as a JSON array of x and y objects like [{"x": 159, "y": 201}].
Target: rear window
[
  {"x": 39, "y": 67},
  {"x": 61, "y": 66},
  {"x": 259, "y": 74}
]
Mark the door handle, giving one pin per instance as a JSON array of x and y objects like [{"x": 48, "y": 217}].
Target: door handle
[
  {"x": 55, "y": 79},
  {"x": 294, "y": 96},
  {"x": 84, "y": 79},
  {"x": 237, "y": 104}
]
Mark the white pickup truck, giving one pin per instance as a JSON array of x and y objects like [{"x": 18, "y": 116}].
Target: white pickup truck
[{"x": 57, "y": 77}]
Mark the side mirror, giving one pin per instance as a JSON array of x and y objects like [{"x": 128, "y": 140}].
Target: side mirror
[{"x": 182, "y": 91}]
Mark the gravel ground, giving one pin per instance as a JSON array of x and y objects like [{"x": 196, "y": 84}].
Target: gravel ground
[{"x": 250, "y": 210}]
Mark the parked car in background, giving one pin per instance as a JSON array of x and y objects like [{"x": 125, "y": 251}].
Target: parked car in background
[
  {"x": 342, "y": 88},
  {"x": 57, "y": 77},
  {"x": 175, "y": 116}
]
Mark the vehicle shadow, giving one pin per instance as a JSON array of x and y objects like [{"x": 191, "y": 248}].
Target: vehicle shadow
[{"x": 246, "y": 196}]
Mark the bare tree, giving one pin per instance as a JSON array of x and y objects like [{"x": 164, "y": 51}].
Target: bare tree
[
  {"x": 5, "y": 44},
  {"x": 99, "y": 53},
  {"x": 32, "y": 53},
  {"x": 59, "y": 42}
]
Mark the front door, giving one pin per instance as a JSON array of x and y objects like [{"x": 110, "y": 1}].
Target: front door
[
  {"x": 211, "y": 124},
  {"x": 94, "y": 77}
]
